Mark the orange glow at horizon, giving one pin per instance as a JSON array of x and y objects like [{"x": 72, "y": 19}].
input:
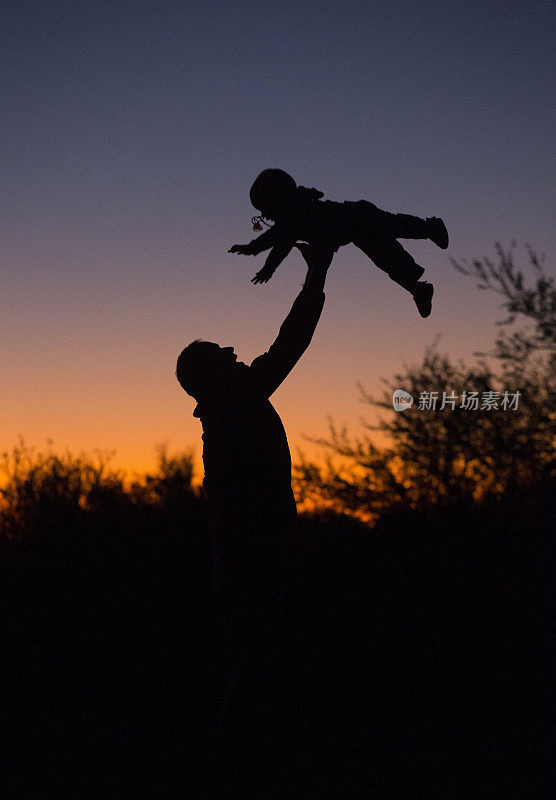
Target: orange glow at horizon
[{"x": 99, "y": 376}]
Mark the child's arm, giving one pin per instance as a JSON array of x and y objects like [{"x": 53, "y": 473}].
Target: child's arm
[
  {"x": 265, "y": 241},
  {"x": 273, "y": 261}
]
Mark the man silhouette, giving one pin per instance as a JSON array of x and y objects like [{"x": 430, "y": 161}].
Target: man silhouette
[
  {"x": 248, "y": 484},
  {"x": 245, "y": 450}
]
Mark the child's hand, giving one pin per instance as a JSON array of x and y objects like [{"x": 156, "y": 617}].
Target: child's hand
[
  {"x": 242, "y": 249},
  {"x": 263, "y": 275}
]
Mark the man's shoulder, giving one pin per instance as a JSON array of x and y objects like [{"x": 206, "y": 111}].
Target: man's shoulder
[{"x": 233, "y": 401}]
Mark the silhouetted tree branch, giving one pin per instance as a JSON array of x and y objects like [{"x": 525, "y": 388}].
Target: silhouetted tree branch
[
  {"x": 535, "y": 302},
  {"x": 451, "y": 454}
]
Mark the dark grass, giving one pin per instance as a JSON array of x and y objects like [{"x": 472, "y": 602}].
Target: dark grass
[{"x": 418, "y": 648}]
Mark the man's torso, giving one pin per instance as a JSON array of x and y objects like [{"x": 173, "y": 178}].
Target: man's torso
[{"x": 248, "y": 484}]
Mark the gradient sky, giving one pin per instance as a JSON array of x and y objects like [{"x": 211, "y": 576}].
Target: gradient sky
[{"x": 131, "y": 133}]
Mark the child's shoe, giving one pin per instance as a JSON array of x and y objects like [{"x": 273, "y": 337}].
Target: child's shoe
[
  {"x": 422, "y": 295},
  {"x": 437, "y": 232}
]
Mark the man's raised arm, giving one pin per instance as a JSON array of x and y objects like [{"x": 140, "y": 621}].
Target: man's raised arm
[{"x": 296, "y": 332}]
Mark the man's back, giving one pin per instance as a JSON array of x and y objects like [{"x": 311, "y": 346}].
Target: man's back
[
  {"x": 245, "y": 451},
  {"x": 248, "y": 484}
]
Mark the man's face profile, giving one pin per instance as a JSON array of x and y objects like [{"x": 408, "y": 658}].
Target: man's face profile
[{"x": 202, "y": 366}]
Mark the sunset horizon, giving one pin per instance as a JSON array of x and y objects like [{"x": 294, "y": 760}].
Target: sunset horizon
[{"x": 277, "y": 423}]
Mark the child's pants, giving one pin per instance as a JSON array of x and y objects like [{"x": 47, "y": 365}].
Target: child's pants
[{"x": 377, "y": 232}]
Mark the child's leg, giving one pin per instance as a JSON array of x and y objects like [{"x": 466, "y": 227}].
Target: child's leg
[
  {"x": 389, "y": 256},
  {"x": 372, "y": 220},
  {"x": 402, "y": 226}
]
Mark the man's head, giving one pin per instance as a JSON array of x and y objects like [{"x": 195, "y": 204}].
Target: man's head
[
  {"x": 204, "y": 367},
  {"x": 272, "y": 190}
]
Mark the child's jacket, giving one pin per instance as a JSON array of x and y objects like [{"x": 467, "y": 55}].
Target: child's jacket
[{"x": 328, "y": 223}]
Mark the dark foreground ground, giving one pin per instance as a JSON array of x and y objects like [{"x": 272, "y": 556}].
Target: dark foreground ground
[{"x": 419, "y": 647}]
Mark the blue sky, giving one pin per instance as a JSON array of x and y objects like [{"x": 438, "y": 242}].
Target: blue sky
[{"x": 131, "y": 134}]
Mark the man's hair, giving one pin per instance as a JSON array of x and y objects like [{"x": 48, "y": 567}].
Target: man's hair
[{"x": 189, "y": 368}]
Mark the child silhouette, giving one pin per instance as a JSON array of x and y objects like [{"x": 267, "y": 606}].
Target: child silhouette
[{"x": 299, "y": 214}]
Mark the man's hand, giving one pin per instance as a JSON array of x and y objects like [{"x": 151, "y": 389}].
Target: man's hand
[
  {"x": 318, "y": 260},
  {"x": 242, "y": 249},
  {"x": 270, "y": 369},
  {"x": 263, "y": 275}
]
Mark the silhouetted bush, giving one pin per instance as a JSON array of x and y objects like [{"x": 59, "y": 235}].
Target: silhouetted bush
[
  {"x": 439, "y": 451},
  {"x": 45, "y": 494}
]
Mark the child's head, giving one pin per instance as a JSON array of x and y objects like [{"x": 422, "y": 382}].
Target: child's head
[{"x": 272, "y": 190}]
